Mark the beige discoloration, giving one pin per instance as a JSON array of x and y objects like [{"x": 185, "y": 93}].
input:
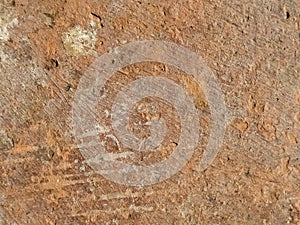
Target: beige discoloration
[{"x": 8, "y": 21}]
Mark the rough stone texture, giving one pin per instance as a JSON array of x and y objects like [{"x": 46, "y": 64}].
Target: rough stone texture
[{"x": 251, "y": 46}]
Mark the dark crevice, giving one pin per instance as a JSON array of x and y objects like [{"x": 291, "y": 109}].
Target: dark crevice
[{"x": 97, "y": 16}]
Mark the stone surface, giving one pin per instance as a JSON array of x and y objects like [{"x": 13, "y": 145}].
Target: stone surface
[{"x": 251, "y": 46}]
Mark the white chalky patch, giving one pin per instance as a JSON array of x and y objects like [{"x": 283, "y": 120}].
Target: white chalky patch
[{"x": 78, "y": 41}]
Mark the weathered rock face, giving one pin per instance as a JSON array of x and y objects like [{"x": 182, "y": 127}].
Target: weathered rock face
[{"x": 252, "y": 49}]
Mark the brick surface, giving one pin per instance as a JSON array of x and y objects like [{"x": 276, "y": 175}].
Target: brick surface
[{"x": 252, "y": 47}]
